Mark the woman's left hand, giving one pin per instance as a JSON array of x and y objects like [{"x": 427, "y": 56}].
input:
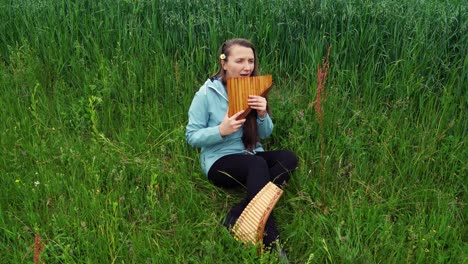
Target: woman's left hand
[{"x": 258, "y": 103}]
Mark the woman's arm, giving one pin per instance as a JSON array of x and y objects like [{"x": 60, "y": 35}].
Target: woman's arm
[
  {"x": 197, "y": 132},
  {"x": 264, "y": 122},
  {"x": 265, "y": 126}
]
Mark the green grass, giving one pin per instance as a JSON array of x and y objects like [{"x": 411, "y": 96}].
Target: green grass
[{"x": 94, "y": 99}]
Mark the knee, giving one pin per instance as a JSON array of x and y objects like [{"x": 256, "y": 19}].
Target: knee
[
  {"x": 258, "y": 162},
  {"x": 290, "y": 160}
]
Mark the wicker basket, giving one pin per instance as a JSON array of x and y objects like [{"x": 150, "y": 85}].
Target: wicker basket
[{"x": 250, "y": 226}]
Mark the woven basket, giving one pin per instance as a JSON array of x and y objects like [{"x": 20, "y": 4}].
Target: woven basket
[{"x": 250, "y": 226}]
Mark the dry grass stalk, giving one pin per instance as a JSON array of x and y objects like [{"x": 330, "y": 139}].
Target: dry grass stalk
[
  {"x": 38, "y": 247},
  {"x": 321, "y": 81}
]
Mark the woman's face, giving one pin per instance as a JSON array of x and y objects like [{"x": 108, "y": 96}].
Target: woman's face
[{"x": 239, "y": 63}]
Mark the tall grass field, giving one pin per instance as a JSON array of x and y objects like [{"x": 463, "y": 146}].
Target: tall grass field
[{"x": 94, "y": 95}]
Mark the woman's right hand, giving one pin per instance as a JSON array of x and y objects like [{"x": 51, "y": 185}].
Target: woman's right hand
[{"x": 230, "y": 124}]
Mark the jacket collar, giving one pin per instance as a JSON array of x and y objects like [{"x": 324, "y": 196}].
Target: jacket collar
[{"x": 216, "y": 85}]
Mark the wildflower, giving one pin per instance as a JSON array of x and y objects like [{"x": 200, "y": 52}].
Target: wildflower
[
  {"x": 36, "y": 183},
  {"x": 222, "y": 56},
  {"x": 17, "y": 180}
]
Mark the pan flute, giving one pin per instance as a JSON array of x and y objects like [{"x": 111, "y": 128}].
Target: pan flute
[
  {"x": 250, "y": 226},
  {"x": 240, "y": 88}
]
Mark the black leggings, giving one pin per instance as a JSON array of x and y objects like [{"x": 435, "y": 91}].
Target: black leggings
[{"x": 254, "y": 172}]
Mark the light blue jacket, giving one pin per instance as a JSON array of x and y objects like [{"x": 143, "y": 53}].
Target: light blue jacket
[{"x": 207, "y": 111}]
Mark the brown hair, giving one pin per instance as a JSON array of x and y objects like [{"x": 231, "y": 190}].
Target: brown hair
[{"x": 250, "y": 135}]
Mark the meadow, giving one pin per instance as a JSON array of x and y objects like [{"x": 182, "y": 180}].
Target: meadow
[{"x": 95, "y": 168}]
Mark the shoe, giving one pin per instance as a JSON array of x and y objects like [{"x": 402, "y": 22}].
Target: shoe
[
  {"x": 275, "y": 248},
  {"x": 230, "y": 221},
  {"x": 282, "y": 256}
]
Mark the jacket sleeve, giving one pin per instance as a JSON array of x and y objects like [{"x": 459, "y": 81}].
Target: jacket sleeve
[
  {"x": 197, "y": 132},
  {"x": 265, "y": 126}
]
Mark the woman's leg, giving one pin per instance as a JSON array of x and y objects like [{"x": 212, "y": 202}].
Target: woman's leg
[
  {"x": 237, "y": 170},
  {"x": 280, "y": 163},
  {"x": 254, "y": 172}
]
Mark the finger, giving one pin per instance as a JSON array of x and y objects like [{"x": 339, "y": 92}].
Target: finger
[
  {"x": 238, "y": 122},
  {"x": 237, "y": 114},
  {"x": 257, "y": 100},
  {"x": 254, "y": 103}
]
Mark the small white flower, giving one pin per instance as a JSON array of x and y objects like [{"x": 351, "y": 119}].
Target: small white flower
[
  {"x": 222, "y": 56},
  {"x": 36, "y": 183}
]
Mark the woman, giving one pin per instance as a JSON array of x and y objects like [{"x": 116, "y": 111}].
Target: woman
[{"x": 231, "y": 154}]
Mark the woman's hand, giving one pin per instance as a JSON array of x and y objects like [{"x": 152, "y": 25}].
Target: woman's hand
[
  {"x": 230, "y": 124},
  {"x": 258, "y": 103}
]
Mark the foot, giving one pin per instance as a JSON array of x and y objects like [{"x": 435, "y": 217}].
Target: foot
[
  {"x": 230, "y": 221},
  {"x": 282, "y": 256},
  {"x": 275, "y": 248}
]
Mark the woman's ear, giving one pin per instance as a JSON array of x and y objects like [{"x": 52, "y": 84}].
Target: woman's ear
[{"x": 223, "y": 62}]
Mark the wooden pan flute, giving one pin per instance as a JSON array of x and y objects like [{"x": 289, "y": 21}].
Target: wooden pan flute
[
  {"x": 240, "y": 88},
  {"x": 250, "y": 226}
]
